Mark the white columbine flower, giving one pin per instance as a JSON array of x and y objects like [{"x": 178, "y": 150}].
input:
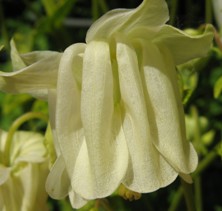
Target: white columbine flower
[
  {"x": 22, "y": 179},
  {"x": 115, "y": 105}
]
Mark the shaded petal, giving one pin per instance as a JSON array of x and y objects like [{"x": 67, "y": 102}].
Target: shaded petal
[
  {"x": 76, "y": 200},
  {"x": 151, "y": 13},
  {"x": 35, "y": 79},
  {"x": 147, "y": 170},
  {"x": 58, "y": 182},
  {"x": 103, "y": 157},
  {"x": 168, "y": 123},
  {"x": 4, "y": 174},
  {"x": 68, "y": 120},
  {"x": 27, "y": 147},
  {"x": 33, "y": 178},
  {"x": 184, "y": 47}
]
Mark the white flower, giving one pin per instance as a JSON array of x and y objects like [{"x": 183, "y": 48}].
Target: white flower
[
  {"x": 22, "y": 182},
  {"x": 115, "y": 106},
  {"x": 217, "y": 6}
]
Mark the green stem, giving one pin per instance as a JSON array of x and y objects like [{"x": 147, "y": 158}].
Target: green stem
[
  {"x": 173, "y": 11},
  {"x": 208, "y": 11},
  {"x": 188, "y": 194},
  {"x": 205, "y": 162},
  {"x": 16, "y": 124},
  {"x": 198, "y": 193},
  {"x": 176, "y": 200}
]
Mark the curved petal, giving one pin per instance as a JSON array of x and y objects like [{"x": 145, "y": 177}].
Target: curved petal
[
  {"x": 147, "y": 170},
  {"x": 27, "y": 147},
  {"x": 76, "y": 200},
  {"x": 168, "y": 123},
  {"x": 58, "y": 182},
  {"x": 151, "y": 13},
  {"x": 184, "y": 47},
  {"x": 67, "y": 119},
  {"x": 103, "y": 157},
  {"x": 4, "y": 174},
  {"x": 36, "y": 78}
]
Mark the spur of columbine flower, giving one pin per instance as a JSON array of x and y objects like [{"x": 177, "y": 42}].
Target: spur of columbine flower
[
  {"x": 22, "y": 177},
  {"x": 114, "y": 103}
]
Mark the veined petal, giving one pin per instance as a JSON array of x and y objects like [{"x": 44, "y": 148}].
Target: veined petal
[
  {"x": 152, "y": 13},
  {"x": 27, "y": 147},
  {"x": 4, "y": 174},
  {"x": 35, "y": 79},
  {"x": 165, "y": 105},
  {"x": 147, "y": 170},
  {"x": 33, "y": 178},
  {"x": 103, "y": 157},
  {"x": 184, "y": 47},
  {"x": 68, "y": 120}
]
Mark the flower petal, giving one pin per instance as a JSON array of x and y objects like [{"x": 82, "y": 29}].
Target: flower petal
[
  {"x": 151, "y": 13},
  {"x": 4, "y": 174},
  {"x": 165, "y": 105},
  {"x": 103, "y": 157},
  {"x": 76, "y": 200},
  {"x": 182, "y": 46},
  {"x": 58, "y": 182},
  {"x": 35, "y": 79},
  {"x": 147, "y": 170},
  {"x": 68, "y": 121},
  {"x": 27, "y": 147}
]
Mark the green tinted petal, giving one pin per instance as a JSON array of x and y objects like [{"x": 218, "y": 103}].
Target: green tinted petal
[
  {"x": 4, "y": 174},
  {"x": 151, "y": 13},
  {"x": 184, "y": 47},
  {"x": 27, "y": 147}
]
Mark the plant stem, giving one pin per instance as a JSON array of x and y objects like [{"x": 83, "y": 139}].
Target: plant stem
[
  {"x": 198, "y": 195},
  {"x": 173, "y": 11},
  {"x": 16, "y": 124},
  {"x": 188, "y": 194},
  {"x": 208, "y": 11}
]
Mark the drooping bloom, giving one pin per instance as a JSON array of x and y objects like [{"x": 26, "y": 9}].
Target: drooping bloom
[
  {"x": 115, "y": 106},
  {"x": 22, "y": 180}
]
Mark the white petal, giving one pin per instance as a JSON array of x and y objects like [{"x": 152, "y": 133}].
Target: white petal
[
  {"x": 151, "y": 13},
  {"x": 182, "y": 46},
  {"x": 76, "y": 200},
  {"x": 166, "y": 109},
  {"x": 58, "y": 182},
  {"x": 33, "y": 178},
  {"x": 68, "y": 121},
  {"x": 103, "y": 157},
  {"x": 27, "y": 147},
  {"x": 147, "y": 170},
  {"x": 35, "y": 79},
  {"x": 4, "y": 174}
]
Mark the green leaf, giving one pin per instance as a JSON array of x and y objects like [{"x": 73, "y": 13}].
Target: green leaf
[{"x": 218, "y": 87}]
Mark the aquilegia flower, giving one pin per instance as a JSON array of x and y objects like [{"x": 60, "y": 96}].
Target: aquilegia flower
[
  {"x": 114, "y": 103},
  {"x": 22, "y": 178}
]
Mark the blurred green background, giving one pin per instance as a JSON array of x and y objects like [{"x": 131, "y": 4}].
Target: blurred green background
[{"x": 56, "y": 24}]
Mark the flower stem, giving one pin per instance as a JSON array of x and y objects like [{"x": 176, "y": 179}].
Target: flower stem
[
  {"x": 173, "y": 11},
  {"x": 208, "y": 11},
  {"x": 16, "y": 124},
  {"x": 188, "y": 194}
]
